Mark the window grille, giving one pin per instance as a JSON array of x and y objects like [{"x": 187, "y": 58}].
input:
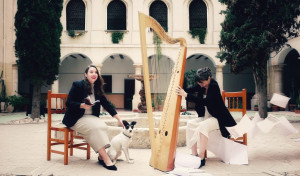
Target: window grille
[
  {"x": 159, "y": 11},
  {"x": 116, "y": 15},
  {"x": 76, "y": 15},
  {"x": 198, "y": 14}
]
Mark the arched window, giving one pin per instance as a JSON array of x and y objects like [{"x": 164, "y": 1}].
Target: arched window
[
  {"x": 198, "y": 14},
  {"x": 76, "y": 15},
  {"x": 159, "y": 11},
  {"x": 116, "y": 15}
]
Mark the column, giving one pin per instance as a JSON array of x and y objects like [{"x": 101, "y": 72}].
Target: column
[
  {"x": 138, "y": 85},
  {"x": 254, "y": 99},
  {"x": 219, "y": 76},
  {"x": 99, "y": 66},
  {"x": 278, "y": 78},
  {"x": 55, "y": 89}
]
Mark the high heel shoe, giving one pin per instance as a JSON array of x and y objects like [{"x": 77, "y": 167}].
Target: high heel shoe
[
  {"x": 100, "y": 161},
  {"x": 112, "y": 167},
  {"x": 202, "y": 163}
]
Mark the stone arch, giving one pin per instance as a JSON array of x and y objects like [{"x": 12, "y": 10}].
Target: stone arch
[
  {"x": 199, "y": 60},
  {"x": 71, "y": 69},
  {"x": 115, "y": 70},
  {"x": 291, "y": 75}
]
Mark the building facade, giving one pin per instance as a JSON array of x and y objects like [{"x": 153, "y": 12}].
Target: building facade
[{"x": 87, "y": 38}]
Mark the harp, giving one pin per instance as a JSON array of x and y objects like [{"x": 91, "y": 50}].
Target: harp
[{"x": 164, "y": 142}]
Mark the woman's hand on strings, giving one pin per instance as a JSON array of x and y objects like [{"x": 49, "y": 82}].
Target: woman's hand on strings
[{"x": 181, "y": 92}]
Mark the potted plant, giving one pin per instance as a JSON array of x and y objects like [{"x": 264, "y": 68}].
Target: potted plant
[
  {"x": 182, "y": 109},
  {"x": 275, "y": 108},
  {"x": 152, "y": 105},
  {"x": 17, "y": 102},
  {"x": 159, "y": 102}
]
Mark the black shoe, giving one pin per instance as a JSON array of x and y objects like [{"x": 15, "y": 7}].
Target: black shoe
[
  {"x": 101, "y": 162},
  {"x": 113, "y": 167},
  {"x": 202, "y": 163}
]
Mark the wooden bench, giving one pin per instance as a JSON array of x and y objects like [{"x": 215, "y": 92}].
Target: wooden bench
[{"x": 57, "y": 105}]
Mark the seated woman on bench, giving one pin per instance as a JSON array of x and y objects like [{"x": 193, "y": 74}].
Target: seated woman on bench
[
  {"x": 83, "y": 116},
  {"x": 216, "y": 115}
]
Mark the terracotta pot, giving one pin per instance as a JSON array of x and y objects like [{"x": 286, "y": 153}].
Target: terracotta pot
[
  {"x": 275, "y": 108},
  {"x": 292, "y": 107}
]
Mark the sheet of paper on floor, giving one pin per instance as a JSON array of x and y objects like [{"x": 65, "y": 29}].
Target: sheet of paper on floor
[
  {"x": 227, "y": 150},
  {"x": 279, "y": 100}
]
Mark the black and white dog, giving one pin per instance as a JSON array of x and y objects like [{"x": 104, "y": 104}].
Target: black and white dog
[{"x": 121, "y": 142}]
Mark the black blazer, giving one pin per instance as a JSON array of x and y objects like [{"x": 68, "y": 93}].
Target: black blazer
[
  {"x": 199, "y": 93},
  {"x": 215, "y": 106},
  {"x": 76, "y": 95}
]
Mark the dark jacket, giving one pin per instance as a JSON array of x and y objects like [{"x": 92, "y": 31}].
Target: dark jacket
[
  {"x": 199, "y": 93},
  {"x": 76, "y": 95},
  {"x": 215, "y": 106}
]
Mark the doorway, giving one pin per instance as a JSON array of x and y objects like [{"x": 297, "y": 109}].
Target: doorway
[{"x": 128, "y": 93}]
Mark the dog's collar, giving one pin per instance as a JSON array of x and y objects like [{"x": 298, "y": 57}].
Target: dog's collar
[{"x": 126, "y": 135}]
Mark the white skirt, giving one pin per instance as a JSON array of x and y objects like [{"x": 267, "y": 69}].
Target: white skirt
[
  {"x": 93, "y": 130},
  {"x": 199, "y": 125}
]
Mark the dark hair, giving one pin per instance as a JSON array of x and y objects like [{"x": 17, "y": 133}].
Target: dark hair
[
  {"x": 202, "y": 74},
  {"x": 98, "y": 85}
]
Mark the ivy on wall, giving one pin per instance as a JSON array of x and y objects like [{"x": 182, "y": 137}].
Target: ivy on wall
[
  {"x": 74, "y": 34},
  {"x": 199, "y": 33},
  {"x": 157, "y": 42},
  {"x": 116, "y": 37}
]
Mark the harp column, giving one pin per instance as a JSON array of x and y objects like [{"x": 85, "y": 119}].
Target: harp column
[
  {"x": 219, "y": 76},
  {"x": 138, "y": 85}
]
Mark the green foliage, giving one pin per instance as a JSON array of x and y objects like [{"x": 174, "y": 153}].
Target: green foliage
[
  {"x": 37, "y": 46},
  {"x": 189, "y": 79},
  {"x": 116, "y": 37},
  {"x": 74, "y": 34},
  {"x": 186, "y": 113},
  {"x": 157, "y": 42},
  {"x": 199, "y": 33},
  {"x": 159, "y": 99},
  {"x": 18, "y": 102},
  {"x": 253, "y": 29},
  {"x": 71, "y": 33}
]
